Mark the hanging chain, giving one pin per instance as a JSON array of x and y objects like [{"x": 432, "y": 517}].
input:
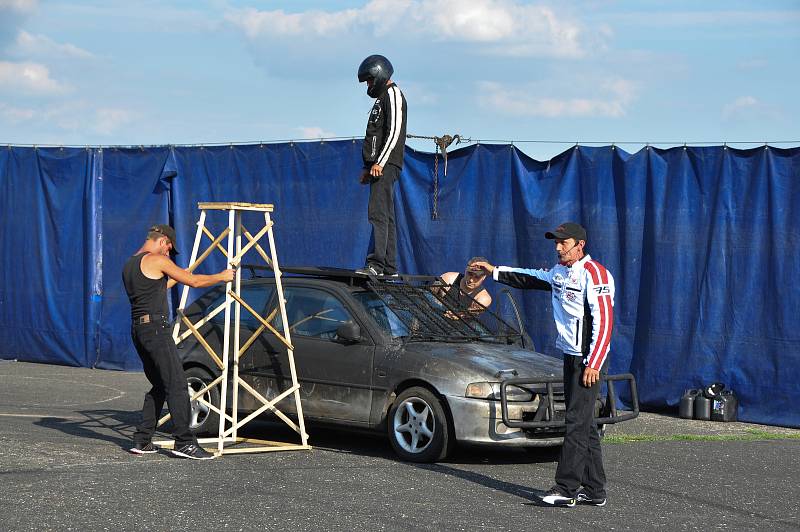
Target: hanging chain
[
  {"x": 440, "y": 143},
  {"x": 435, "y": 213}
]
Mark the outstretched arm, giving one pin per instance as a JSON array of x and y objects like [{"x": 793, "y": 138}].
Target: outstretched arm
[
  {"x": 177, "y": 274},
  {"x": 517, "y": 277}
]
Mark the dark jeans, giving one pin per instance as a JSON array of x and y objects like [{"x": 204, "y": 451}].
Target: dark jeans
[
  {"x": 383, "y": 256},
  {"x": 581, "y": 461},
  {"x": 156, "y": 348}
]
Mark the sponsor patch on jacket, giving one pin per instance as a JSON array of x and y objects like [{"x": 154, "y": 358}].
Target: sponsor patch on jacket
[{"x": 571, "y": 296}]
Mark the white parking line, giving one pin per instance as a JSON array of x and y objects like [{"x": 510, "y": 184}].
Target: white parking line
[
  {"x": 120, "y": 393},
  {"x": 40, "y": 416}
]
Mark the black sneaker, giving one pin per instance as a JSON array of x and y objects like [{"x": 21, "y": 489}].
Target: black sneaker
[
  {"x": 143, "y": 448},
  {"x": 584, "y": 498},
  {"x": 193, "y": 452},
  {"x": 556, "y": 498},
  {"x": 367, "y": 270}
]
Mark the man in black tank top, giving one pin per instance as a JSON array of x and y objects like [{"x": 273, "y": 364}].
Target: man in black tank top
[
  {"x": 147, "y": 275},
  {"x": 466, "y": 288}
]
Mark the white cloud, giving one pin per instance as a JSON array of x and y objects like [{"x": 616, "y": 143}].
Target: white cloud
[
  {"x": 506, "y": 27},
  {"x": 12, "y": 14},
  {"x": 519, "y": 30},
  {"x": 753, "y": 63},
  {"x": 478, "y": 20},
  {"x": 536, "y": 100},
  {"x": 20, "y": 6},
  {"x": 314, "y": 132},
  {"x": 109, "y": 120},
  {"x": 743, "y": 107},
  {"x": 279, "y": 23},
  {"x": 707, "y": 19},
  {"x": 70, "y": 116},
  {"x": 420, "y": 94},
  {"x": 27, "y": 76},
  {"x": 28, "y": 44},
  {"x": 15, "y": 115}
]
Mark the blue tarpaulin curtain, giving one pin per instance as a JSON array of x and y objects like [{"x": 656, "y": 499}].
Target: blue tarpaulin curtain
[{"x": 701, "y": 241}]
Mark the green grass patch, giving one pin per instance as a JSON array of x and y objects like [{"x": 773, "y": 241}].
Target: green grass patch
[{"x": 748, "y": 435}]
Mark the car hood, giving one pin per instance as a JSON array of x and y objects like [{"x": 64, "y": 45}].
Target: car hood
[{"x": 450, "y": 366}]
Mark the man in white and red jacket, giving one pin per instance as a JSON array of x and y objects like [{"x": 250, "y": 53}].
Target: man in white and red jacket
[{"x": 583, "y": 309}]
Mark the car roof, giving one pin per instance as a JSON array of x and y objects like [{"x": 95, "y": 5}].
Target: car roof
[{"x": 349, "y": 277}]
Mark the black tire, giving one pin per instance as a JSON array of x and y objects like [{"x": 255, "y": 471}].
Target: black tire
[
  {"x": 203, "y": 421},
  {"x": 418, "y": 428}
]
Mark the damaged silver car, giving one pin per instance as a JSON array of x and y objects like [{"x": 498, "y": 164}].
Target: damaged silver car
[{"x": 395, "y": 355}]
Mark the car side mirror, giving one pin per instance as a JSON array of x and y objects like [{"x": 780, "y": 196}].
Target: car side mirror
[{"x": 349, "y": 331}]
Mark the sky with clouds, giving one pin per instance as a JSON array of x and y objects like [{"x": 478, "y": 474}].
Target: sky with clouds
[{"x": 217, "y": 71}]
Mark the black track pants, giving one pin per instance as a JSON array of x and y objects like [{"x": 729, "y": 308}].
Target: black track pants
[
  {"x": 581, "y": 461},
  {"x": 383, "y": 256},
  {"x": 156, "y": 348}
]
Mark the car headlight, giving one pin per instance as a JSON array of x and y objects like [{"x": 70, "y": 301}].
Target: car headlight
[
  {"x": 491, "y": 391},
  {"x": 483, "y": 390}
]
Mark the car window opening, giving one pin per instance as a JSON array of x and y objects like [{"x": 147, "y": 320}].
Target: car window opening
[{"x": 424, "y": 311}]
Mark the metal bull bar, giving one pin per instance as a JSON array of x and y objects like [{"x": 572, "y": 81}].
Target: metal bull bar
[{"x": 545, "y": 414}]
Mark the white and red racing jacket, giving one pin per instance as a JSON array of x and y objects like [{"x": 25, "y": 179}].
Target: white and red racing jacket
[{"x": 583, "y": 304}]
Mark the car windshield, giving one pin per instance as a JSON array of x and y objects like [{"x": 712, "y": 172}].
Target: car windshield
[
  {"x": 382, "y": 314},
  {"x": 425, "y": 312}
]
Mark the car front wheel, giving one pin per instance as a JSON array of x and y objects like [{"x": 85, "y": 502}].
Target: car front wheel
[
  {"x": 202, "y": 420},
  {"x": 418, "y": 427}
]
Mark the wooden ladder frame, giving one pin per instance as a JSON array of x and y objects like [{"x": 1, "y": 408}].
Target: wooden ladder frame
[{"x": 230, "y": 424}]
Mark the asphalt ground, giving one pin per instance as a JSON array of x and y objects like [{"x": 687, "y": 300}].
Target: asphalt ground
[{"x": 64, "y": 466}]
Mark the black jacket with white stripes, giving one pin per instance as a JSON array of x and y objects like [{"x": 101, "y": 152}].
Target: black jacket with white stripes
[{"x": 385, "y": 140}]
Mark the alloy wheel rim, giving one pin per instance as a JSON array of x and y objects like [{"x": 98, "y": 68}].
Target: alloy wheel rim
[
  {"x": 199, "y": 411},
  {"x": 414, "y": 425}
]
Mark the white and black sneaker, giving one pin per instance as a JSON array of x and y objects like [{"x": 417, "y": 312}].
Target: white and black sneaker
[
  {"x": 367, "y": 270},
  {"x": 556, "y": 498},
  {"x": 193, "y": 452},
  {"x": 143, "y": 448},
  {"x": 584, "y": 498}
]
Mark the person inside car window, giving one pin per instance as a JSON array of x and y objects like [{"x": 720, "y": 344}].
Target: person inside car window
[{"x": 466, "y": 288}]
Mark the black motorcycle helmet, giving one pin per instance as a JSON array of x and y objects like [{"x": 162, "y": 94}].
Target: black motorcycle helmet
[{"x": 378, "y": 69}]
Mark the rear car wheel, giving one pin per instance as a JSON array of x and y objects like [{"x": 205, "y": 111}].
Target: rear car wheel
[
  {"x": 203, "y": 421},
  {"x": 418, "y": 427}
]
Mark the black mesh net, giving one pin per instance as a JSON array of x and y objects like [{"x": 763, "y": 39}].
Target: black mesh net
[{"x": 432, "y": 309}]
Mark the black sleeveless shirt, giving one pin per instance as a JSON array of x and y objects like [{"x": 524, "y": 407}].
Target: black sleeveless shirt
[
  {"x": 147, "y": 296},
  {"x": 461, "y": 299}
]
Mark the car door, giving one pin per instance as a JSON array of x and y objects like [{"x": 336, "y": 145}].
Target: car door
[
  {"x": 335, "y": 375},
  {"x": 208, "y": 308}
]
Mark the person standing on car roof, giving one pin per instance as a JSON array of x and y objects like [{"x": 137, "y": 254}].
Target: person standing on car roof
[
  {"x": 583, "y": 309},
  {"x": 382, "y": 153},
  {"x": 146, "y": 276}
]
